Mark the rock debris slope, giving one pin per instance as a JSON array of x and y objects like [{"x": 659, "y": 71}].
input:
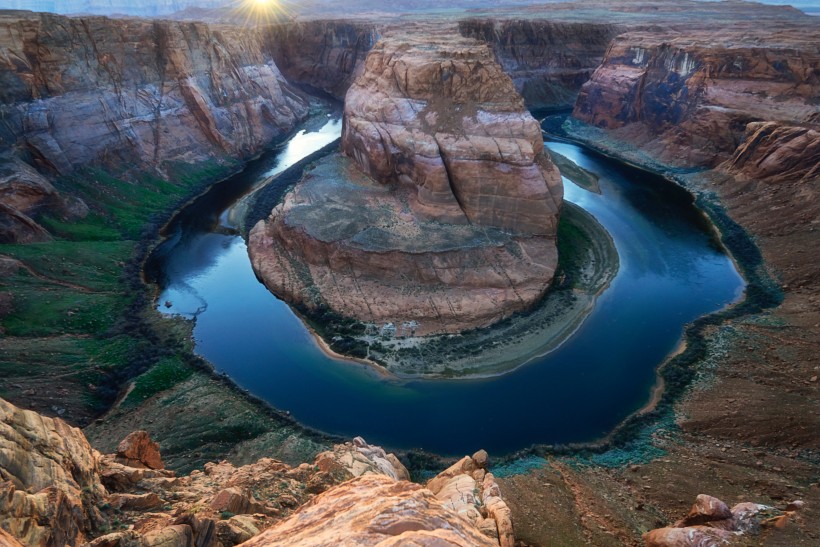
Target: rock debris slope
[{"x": 443, "y": 214}]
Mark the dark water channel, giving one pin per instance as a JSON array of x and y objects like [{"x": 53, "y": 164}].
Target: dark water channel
[{"x": 671, "y": 272}]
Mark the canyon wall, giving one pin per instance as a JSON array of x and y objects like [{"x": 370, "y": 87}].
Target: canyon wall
[
  {"x": 130, "y": 94},
  {"x": 548, "y": 61},
  {"x": 687, "y": 98},
  {"x": 322, "y": 54},
  {"x": 445, "y": 210}
]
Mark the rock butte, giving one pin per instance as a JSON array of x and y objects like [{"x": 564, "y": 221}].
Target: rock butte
[{"x": 443, "y": 214}]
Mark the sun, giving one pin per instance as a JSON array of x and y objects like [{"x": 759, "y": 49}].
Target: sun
[{"x": 257, "y": 12}]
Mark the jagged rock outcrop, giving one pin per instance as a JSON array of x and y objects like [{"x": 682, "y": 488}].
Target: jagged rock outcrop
[
  {"x": 138, "y": 450},
  {"x": 470, "y": 490},
  {"x": 548, "y": 61},
  {"x": 358, "y": 458},
  {"x": 50, "y": 479},
  {"x": 323, "y": 54},
  {"x": 687, "y": 97},
  {"x": 374, "y": 510},
  {"x": 453, "y": 223},
  {"x": 711, "y": 522},
  {"x": 52, "y": 494}
]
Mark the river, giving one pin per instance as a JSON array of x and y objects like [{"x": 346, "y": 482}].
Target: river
[{"x": 671, "y": 272}]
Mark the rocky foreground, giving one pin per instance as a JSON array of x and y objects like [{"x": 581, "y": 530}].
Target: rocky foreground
[
  {"x": 56, "y": 490},
  {"x": 443, "y": 214}
]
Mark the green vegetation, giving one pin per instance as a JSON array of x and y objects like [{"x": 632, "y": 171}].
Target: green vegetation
[
  {"x": 168, "y": 372},
  {"x": 75, "y": 310}
]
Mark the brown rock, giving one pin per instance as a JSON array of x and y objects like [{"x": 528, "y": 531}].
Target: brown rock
[
  {"x": 697, "y": 536},
  {"x": 236, "y": 530},
  {"x": 7, "y": 540},
  {"x": 706, "y": 509},
  {"x": 179, "y": 535},
  {"x": 358, "y": 458},
  {"x": 481, "y": 458},
  {"x": 134, "y": 502},
  {"x": 777, "y": 153},
  {"x": 138, "y": 450},
  {"x": 687, "y": 97},
  {"x": 233, "y": 500},
  {"x": 370, "y": 510},
  {"x": 322, "y": 54},
  {"x": 460, "y": 199},
  {"x": 548, "y": 61},
  {"x": 129, "y": 538}
]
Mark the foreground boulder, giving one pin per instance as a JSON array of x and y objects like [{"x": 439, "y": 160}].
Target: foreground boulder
[
  {"x": 711, "y": 522},
  {"x": 443, "y": 214}
]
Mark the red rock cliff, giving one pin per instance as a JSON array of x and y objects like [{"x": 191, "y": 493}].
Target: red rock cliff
[
  {"x": 548, "y": 61},
  {"x": 687, "y": 97}
]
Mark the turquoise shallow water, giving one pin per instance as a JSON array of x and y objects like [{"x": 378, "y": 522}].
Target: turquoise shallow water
[{"x": 671, "y": 272}]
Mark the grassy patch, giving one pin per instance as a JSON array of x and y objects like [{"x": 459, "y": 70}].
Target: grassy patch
[
  {"x": 165, "y": 374},
  {"x": 78, "y": 324}
]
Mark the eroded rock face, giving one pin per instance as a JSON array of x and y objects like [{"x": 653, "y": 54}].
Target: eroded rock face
[
  {"x": 688, "y": 97},
  {"x": 323, "y": 54},
  {"x": 126, "y": 94},
  {"x": 453, "y": 223},
  {"x": 548, "y": 61},
  {"x": 777, "y": 153},
  {"x": 78, "y": 91}
]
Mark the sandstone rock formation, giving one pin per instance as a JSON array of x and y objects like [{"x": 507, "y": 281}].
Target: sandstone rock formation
[
  {"x": 453, "y": 223},
  {"x": 323, "y": 54},
  {"x": 359, "y": 458},
  {"x": 711, "y": 522},
  {"x": 547, "y": 60},
  {"x": 374, "y": 510},
  {"x": 128, "y": 94},
  {"x": 687, "y": 97},
  {"x": 52, "y": 493}
]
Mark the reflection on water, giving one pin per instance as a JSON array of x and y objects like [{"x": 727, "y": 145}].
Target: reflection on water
[{"x": 671, "y": 273}]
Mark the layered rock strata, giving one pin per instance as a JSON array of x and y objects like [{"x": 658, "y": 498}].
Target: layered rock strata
[
  {"x": 688, "y": 97},
  {"x": 548, "y": 61},
  {"x": 323, "y": 54},
  {"x": 444, "y": 216},
  {"x": 128, "y": 94}
]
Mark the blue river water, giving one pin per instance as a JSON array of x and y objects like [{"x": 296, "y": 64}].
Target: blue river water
[{"x": 671, "y": 272}]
